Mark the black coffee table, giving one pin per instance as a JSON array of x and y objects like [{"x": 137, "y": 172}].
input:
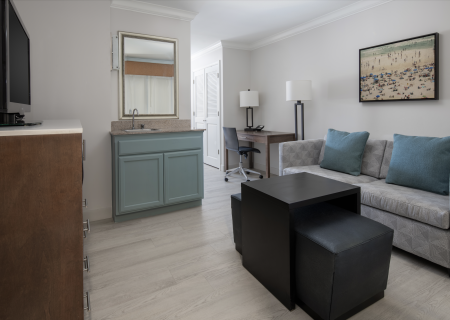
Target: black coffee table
[{"x": 268, "y": 210}]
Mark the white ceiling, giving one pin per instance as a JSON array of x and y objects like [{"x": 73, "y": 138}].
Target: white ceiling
[{"x": 250, "y": 21}]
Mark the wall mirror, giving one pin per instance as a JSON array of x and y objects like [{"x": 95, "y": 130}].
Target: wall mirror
[{"x": 148, "y": 76}]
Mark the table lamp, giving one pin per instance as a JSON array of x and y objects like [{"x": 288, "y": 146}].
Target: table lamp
[
  {"x": 298, "y": 90},
  {"x": 249, "y": 99}
]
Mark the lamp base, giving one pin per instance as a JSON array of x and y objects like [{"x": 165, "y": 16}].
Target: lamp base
[{"x": 249, "y": 129}]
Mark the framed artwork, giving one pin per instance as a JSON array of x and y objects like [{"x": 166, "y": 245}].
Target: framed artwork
[{"x": 402, "y": 70}]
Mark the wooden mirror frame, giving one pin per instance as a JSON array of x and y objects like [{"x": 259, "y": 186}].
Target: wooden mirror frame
[{"x": 122, "y": 114}]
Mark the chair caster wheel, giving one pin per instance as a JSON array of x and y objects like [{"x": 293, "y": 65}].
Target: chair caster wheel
[
  {"x": 226, "y": 179},
  {"x": 247, "y": 172},
  {"x": 260, "y": 176},
  {"x": 248, "y": 180}
]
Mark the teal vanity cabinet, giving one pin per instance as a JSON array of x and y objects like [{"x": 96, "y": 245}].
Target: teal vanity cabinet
[{"x": 156, "y": 173}]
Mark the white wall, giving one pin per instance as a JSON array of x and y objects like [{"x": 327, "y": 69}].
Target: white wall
[
  {"x": 206, "y": 59},
  {"x": 129, "y": 21},
  {"x": 329, "y": 57},
  {"x": 236, "y": 78},
  {"x": 71, "y": 76},
  {"x": 70, "y": 79}
]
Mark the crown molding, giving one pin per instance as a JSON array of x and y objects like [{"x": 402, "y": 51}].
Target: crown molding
[
  {"x": 221, "y": 44},
  {"x": 360, "y": 6},
  {"x": 354, "y": 8},
  {"x": 153, "y": 9},
  {"x": 209, "y": 49},
  {"x": 236, "y": 45}
]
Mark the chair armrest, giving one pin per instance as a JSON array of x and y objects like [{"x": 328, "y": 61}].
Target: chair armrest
[{"x": 300, "y": 153}]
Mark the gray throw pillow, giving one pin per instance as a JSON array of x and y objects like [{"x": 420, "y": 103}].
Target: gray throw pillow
[{"x": 344, "y": 151}]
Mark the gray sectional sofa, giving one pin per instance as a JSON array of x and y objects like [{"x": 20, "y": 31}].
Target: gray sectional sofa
[{"x": 420, "y": 219}]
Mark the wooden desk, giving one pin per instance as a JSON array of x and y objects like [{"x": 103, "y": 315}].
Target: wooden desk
[{"x": 266, "y": 137}]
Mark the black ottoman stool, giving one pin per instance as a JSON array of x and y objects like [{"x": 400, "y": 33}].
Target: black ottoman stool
[
  {"x": 236, "y": 215},
  {"x": 342, "y": 261}
]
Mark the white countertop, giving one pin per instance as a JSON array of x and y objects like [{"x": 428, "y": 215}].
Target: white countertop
[{"x": 47, "y": 127}]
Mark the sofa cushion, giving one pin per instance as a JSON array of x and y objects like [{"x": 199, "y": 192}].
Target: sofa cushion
[
  {"x": 420, "y": 162},
  {"x": 322, "y": 150},
  {"x": 339, "y": 176},
  {"x": 344, "y": 151},
  {"x": 423, "y": 206},
  {"x": 386, "y": 159},
  {"x": 373, "y": 157}
]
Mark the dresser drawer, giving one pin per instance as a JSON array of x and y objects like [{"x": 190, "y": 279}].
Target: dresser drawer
[
  {"x": 143, "y": 146},
  {"x": 245, "y": 137},
  {"x": 251, "y": 138}
]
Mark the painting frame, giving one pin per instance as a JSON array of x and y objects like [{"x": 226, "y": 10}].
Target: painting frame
[{"x": 435, "y": 67}]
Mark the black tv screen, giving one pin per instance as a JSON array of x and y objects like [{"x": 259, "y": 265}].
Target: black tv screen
[{"x": 19, "y": 60}]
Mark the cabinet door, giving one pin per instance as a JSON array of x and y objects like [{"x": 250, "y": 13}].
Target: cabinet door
[
  {"x": 183, "y": 176},
  {"x": 140, "y": 182}
]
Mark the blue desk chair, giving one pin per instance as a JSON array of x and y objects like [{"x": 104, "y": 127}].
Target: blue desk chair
[{"x": 232, "y": 143}]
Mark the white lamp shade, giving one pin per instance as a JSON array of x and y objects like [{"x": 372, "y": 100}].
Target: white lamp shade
[
  {"x": 298, "y": 90},
  {"x": 249, "y": 99}
]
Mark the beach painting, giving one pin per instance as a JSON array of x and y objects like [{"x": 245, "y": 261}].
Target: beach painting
[{"x": 402, "y": 70}]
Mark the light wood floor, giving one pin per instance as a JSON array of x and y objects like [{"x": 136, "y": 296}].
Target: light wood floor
[{"x": 183, "y": 265}]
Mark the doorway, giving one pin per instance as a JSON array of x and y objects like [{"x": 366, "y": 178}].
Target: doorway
[{"x": 206, "y": 111}]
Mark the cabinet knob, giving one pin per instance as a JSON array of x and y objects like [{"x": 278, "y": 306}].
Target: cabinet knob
[
  {"x": 87, "y": 266},
  {"x": 88, "y": 301},
  {"x": 88, "y": 227}
]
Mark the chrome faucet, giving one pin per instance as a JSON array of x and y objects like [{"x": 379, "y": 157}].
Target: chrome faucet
[{"x": 133, "y": 116}]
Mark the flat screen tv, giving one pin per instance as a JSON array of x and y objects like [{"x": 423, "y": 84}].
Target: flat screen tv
[{"x": 15, "y": 94}]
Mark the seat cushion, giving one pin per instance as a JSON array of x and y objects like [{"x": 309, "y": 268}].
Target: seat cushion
[
  {"x": 386, "y": 159},
  {"x": 423, "y": 206},
  {"x": 373, "y": 157},
  {"x": 336, "y": 229},
  {"x": 339, "y": 176},
  {"x": 344, "y": 151},
  {"x": 248, "y": 149}
]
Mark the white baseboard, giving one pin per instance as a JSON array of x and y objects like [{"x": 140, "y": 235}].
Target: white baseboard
[{"x": 97, "y": 214}]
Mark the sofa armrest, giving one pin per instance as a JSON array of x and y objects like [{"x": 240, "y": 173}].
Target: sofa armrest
[{"x": 300, "y": 153}]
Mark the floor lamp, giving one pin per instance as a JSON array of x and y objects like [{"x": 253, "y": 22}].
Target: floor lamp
[{"x": 299, "y": 90}]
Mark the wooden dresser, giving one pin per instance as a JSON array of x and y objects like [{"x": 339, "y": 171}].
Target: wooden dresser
[{"x": 41, "y": 222}]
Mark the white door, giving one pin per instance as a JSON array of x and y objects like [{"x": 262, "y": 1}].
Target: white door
[
  {"x": 206, "y": 106},
  {"x": 199, "y": 99},
  {"x": 212, "y": 84}
]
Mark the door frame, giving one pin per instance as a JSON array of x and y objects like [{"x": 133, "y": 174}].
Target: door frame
[{"x": 220, "y": 120}]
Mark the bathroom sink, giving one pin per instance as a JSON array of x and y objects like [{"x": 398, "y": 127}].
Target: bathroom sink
[{"x": 141, "y": 130}]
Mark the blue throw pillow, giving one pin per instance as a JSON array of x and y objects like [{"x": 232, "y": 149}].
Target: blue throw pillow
[
  {"x": 344, "y": 151},
  {"x": 421, "y": 163}
]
